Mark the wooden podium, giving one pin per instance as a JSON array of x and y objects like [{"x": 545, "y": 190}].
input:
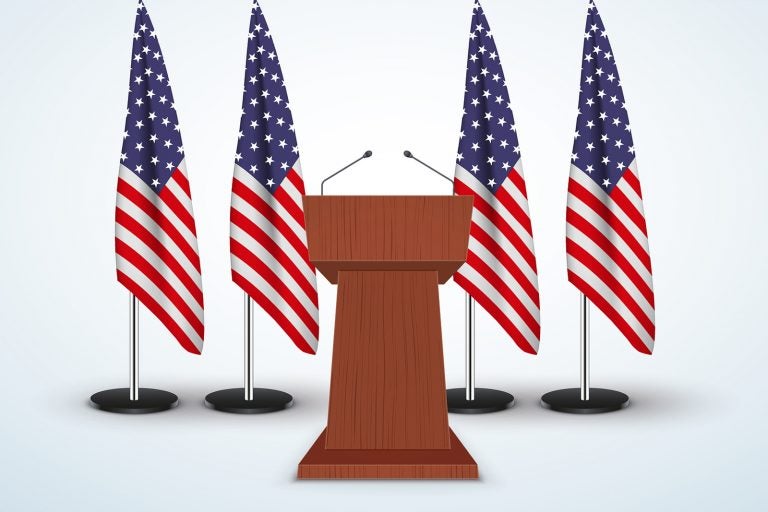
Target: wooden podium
[{"x": 387, "y": 413}]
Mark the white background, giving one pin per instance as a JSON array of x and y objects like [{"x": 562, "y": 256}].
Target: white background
[{"x": 385, "y": 76}]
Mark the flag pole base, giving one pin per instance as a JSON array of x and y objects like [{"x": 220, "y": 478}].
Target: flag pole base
[
  {"x": 233, "y": 400},
  {"x": 119, "y": 401},
  {"x": 486, "y": 400},
  {"x": 569, "y": 400}
]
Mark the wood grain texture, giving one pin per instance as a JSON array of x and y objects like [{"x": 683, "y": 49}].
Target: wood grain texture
[
  {"x": 387, "y": 413},
  {"x": 387, "y": 232},
  {"x": 321, "y": 463},
  {"x": 387, "y": 376}
]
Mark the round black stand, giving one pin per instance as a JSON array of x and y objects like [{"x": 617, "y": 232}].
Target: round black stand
[
  {"x": 118, "y": 400},
  {"x": 233, "y": 400},
  {"x": 569, "y": 400},
  {"x": 486, "y": 400}
]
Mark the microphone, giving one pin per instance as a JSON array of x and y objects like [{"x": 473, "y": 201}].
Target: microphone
[
  {"x": 367, "y": 154},
  {"x": 408, "y": 154}
]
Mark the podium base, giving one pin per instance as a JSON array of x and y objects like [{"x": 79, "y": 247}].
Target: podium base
[
  {"x": 119, "y": 401},
  {"x": 233, "y": 400},
  {"x": 486, "y": 400},
  {"x": 454, "y": 463},
  {"x": 569, "y": 400}
]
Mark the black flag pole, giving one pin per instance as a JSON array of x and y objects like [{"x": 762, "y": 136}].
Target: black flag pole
[
  {"x": 133, "y": 399},
  {"x": 248, "y": 400},
  {"x": 584, "y": 399}
]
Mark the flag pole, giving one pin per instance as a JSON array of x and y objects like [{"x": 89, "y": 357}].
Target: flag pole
[
  {"x": 133, "y": 334},
  {"x": 133, "y": 399},
  {"x": 584, "y": 399},
  {"x": 470, "y": 399},
  {"x": 248, "y": 348},
  {"x": 469, "y": 357},
  {"x": 584, "y": 374},
  {"x": 248, "y": 399}
]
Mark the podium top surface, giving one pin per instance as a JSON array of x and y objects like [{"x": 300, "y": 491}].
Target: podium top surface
[{"x": 387, "y": 233}]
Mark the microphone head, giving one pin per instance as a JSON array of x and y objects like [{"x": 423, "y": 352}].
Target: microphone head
[
  {"x": 407, "y": 154},
  {"x": 367, "y": 153}
]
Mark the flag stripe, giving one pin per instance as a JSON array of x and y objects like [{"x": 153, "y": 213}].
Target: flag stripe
[
  {"x": 485, "y": 247},
  {"x": 483, "y": 293},
  {"x": 135, "y": 235},
  {"x": 304, "y": 306},
  {"x": 583, "y": 233}
]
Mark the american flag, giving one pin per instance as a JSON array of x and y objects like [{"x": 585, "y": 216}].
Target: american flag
[
  {"x": 268, "y": 243},
  {"x": 606, "y": 237},
  {"x": 500, "y": 272},
  {"x": 155, "y": 239}
]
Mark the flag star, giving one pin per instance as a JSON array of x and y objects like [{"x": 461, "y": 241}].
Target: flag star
[
  {"x": 260, "y": 49},
  {"x": 267, "y": 116},
  {"x": 574, "y": 157},
  {"x": 278, "y": 99},
  {"x": 148, "y": 71},
  {"x": 488, "y": 116},
  {"x": 238, "y": 157},
  {"x": 155, "y": 182},
  {"x": 160, "y": 77},
  {"x": 620, "y": 165},
  {"x": 614, "y": 99},
  {"x": 504, "y": 144},
  {"x": 163, "y": 100},
  {"x": 165, "y": 121},
  {"x": 486, "y": 93},
  {"x": 459, "y": 157},
  {"x": 603, "y": 116},
  {"x": 271, "y": 56},
  {"x": 491, "y": 160},
  {"x": 588, "y": 57},
  {"x": 473, "y": 58},
  {"x": 268, "y": 138},
  {"x": 275, "y": 77},
  {"x": 180, "y": 149},
  {"x": 475, "y": 102},
  {"x": 123, "y": 157},
  {"x": 489, "y": 137},
  {"x": 616, "y": 121},
  {"x": 590, "y": 102},
  {"x": 475, "y": 124},
  {"x": 253, "y": 80},
  {"x": 607, "y": 55},
  {"x": 606, "y": 182},
  {"x": 154, "y": 160},
  {"x": 474, "y": 169},
  {"x": 239, "y": 135},
  {"x": 601, "y": 93},
  {"x": 505, "y": 166},
  {"x": 499, "y": 100},
  {"x": 152, "y": 117},
  {"x": 167, "y": 143},
  {"x": 606, "y": 160},
  {"x": 254, "y": 124},
  {"x": 282, "y": 144},
  {"x": 590, "y": 124},
  {"x": 628, "y": 128},
  {"x": 611, "y": 77},
  {"x": 145, "y": 50},
  {"x": 137, "y": 57},
  {"x": 139, "y": 124},
  {"x": 157, "y": 55},
  {"x": 269, "y": 160},
  {"x": 270, "y": 182},
  {"x": 139, "y": 146},
  {"x": 618, "y": 143},
  {"x": 253, "y": 102},
  {"x": 252, "y": 57},
  {"x": 138, "y": 169},
  {"x": 516, "y": 150},
  {"x": 604, "y": 138},
  {"x": 590, "y": 168},
  {"x": 576, "y": 134},
  {"x": 295, "y": 149},
  {"x": 491, "y": 183},
  {"x": 475, "y": 146},
  {"x": 284, "y": 166},
  {"x": 496, "y": 76},
  {"x": 589, "y": 79},
  {"x": 139, "y": 101},
  {"x": 590, "y": 146},
  {"x": 150, "y": 94},
  {"x": 142, "y": 28},
  {"x": 501, "y": 121},
  {"x": 169, "y": 166},
  {"x": 254, "y": 146},
  {"x": 280, "y": 121},
  {"x": 253, "y": 168}
]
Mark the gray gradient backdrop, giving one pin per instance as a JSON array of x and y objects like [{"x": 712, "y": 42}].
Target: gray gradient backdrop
[{"x": 385, "y": 76}]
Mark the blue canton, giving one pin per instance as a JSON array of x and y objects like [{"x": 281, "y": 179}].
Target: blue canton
[
  {"x": 488, "y": 146},
  {"x": 152, "y": 146},
  {"x": 266, "y": 146},
  {"x": 602, "y": 146}
]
